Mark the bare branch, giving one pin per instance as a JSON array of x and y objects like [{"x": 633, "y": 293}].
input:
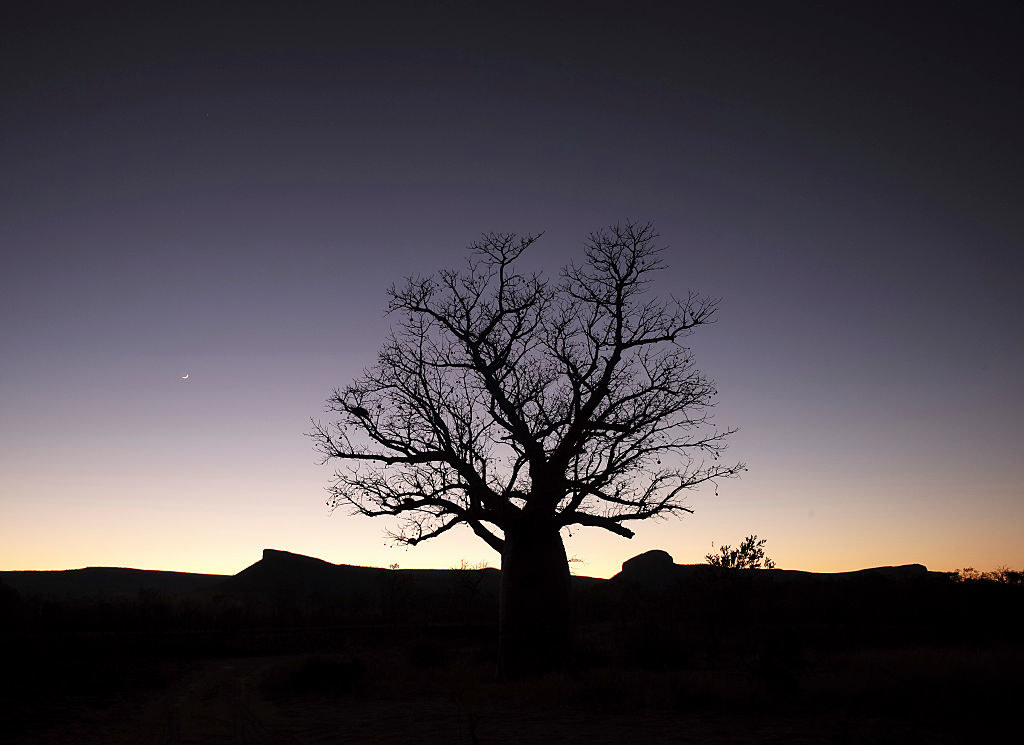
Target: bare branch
[{"x": 500, "y": 397}]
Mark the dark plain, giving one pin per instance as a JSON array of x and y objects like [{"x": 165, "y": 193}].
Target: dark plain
[{"x": 660, "y": 654}]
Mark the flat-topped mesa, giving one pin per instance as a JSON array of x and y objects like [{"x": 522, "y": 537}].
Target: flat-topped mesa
[
  {"x": 286, "y": 572},
  {"x": 655, "y": 559},
  {"x": 902, "y": 571},
  {"x": 275, "y": 555},
  {"x": 653, "y": 568}
]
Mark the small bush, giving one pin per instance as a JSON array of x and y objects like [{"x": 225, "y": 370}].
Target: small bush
[
  {"x": 749, "y": 555},
  {"x": 1002, "y": 575}
]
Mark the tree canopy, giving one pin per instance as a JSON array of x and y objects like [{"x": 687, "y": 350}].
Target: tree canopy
[{"x": 502, "y": 396}]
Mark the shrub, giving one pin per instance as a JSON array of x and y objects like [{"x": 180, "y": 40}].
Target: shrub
[{"x": 749, "y": 555}]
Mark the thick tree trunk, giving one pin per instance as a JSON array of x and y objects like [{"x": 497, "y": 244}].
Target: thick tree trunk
[{"x": 533, "y": 611}]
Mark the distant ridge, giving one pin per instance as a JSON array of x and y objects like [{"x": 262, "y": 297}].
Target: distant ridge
[
  {"x": 280, "y": 572},
  {"x": 283, "y": 571},
  {"x": 106, "y": 582},
  {"x": 656, "y": 568}
]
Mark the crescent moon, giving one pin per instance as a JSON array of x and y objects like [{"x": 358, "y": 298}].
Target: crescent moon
[{"x": 185, "y": 376}]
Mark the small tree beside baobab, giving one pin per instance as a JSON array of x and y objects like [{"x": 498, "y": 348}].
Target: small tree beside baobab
[
  {"x": 749, "y": 555},
  {"x": 519, "y": 406}
]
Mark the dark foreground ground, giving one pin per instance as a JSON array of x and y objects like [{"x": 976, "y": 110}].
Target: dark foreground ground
[
  {"x": 674, "y": 656},
  {"x": 437, "y": 686}
]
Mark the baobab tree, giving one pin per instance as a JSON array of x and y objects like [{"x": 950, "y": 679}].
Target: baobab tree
[{"x": 519, "y": 406}]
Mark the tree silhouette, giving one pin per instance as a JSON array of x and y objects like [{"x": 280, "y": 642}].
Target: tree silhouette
[
  {"x": 521, "y": 406},
  {"x": 749, "y": 555}
]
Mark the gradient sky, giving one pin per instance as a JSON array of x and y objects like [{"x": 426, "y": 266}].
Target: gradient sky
[{"x": 228, "y": 192}]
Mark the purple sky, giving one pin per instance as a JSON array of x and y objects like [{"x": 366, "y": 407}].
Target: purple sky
[{"x": 228, "y": 193}]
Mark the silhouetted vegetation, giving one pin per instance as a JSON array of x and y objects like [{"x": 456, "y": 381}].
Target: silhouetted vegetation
[
  {"x": 519, "y": 406},
  {"x": 749, "y": 555},
  {"x": 1002, "y": 575}
]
